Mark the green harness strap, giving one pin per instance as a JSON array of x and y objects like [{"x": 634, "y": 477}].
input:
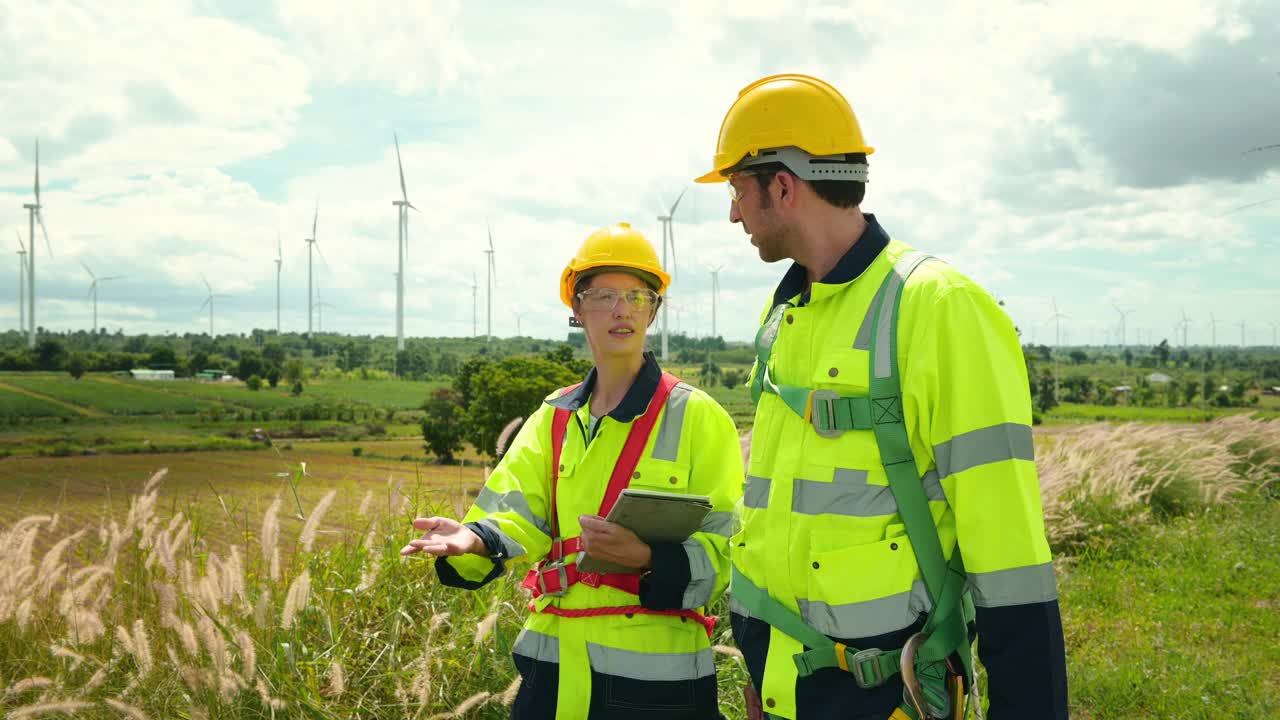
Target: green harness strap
[{"x": 881, "y": 411}]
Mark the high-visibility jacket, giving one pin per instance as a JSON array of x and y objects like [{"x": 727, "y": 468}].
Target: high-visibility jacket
[
  {"x": 613, "y": 666},
  {"x": 820, "y": 528}
]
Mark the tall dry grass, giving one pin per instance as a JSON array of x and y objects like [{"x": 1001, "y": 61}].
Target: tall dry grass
[
  {"x": 1097, "y": 479},
  {"x": 144, "y": 617}
]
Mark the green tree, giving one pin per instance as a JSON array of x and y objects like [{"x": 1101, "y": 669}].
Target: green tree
[
  {"x": 442, "y": 424},
  {"x": 199, "y": 361},
  {"x": 161, "y": 356},
  {"x": 709, "y": 371},
  {"x": 1046, "y": 399},
  {"x": 76, "y": 365},
  {"x": 1079, "y": 357},
  {"x": 503, "y": 391},
  {"x": 732, "y": 378},
  {"x": 50, "y": 354},
  {"x": 251, "y": 364},
  {"x": 1161, "y": 352},
  {"x": 463, "y": 381},
  {"x": 254, "y": 383}
]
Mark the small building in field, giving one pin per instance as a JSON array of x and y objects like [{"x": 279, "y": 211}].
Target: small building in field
[
  {"x": 145, "y": 374},
  {"x": 1158, "y": 378}
]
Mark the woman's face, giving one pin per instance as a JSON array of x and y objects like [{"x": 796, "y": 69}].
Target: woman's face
[{"x": 618, "y": 330}]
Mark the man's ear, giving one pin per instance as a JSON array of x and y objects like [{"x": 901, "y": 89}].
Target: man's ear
[{"x": 786, "y": 187}]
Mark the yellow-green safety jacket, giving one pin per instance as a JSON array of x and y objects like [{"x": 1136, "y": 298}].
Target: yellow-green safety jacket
[
  {"x": 820, "y": 528},
  {"x": 613, "y": 666}
]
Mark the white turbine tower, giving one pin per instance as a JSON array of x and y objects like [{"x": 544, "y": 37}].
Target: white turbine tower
[
  {"x": 312, "y": 244},
  {"x": 668, "y": 240},
  {"x": 475, "y": 287},
  {"x": 1186, "y": 322},
  {"x": 1241, "y": 325},
  {"x": 93, "y": 292},
  {"x": 209, "y": 301},
  {"x": 22, "y": 285},
  {"x": 1123, "y": 314},
  {"x": 715, "y": 294},
  {"x": 520, "y": 315},
  {"x": 1274, "y": 328},
  {"x": 402, "y": 245},
  {"x": 491, "y": 278},
  {"x": 1056, "y": 317},
  {"x": 279, "y": 263},
  {"x": 1213, "y": 330},
  {"x": 34, "y": 216}
]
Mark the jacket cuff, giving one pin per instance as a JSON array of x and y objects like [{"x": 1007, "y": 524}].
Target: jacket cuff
[
  {"x": 1022, "y": 648},
  {"x": 663, "y": 588},
  {"x": 449, "y": 574}
]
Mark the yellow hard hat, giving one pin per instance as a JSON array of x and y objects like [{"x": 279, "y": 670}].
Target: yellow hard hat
[
  {"x": 616, "y": 246},
  {"x": 791, "y": 111}
]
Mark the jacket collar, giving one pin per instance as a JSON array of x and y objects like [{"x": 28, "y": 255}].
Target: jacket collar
[
  {"x": 633, "y": 404},
  {"x": 854, "y": 262}
]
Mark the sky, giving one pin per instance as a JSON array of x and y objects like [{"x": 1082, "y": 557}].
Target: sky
[{"x": 1091, "y": 153}]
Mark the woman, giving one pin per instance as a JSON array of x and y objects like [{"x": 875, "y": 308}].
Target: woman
[{"x": 617, "y": 645}]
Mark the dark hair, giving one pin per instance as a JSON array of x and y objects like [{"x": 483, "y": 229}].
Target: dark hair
[{"x": 841, "y": 193}]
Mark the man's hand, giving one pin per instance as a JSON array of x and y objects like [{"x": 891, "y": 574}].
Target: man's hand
[
  {"x": 444, "y": 536},
  {"x": 609, "y": 541}
]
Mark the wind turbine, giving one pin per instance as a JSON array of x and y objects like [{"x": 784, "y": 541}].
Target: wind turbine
[
  {"x": 279, "y": 262},
  {"x": 209, "y": 301},
  {"x": 1186, "y": 322},
  {"x": 1274, "y": 327},
  {"x": 93, "y": 292},
  {"x": 518, "y": 316},
  {"x": 1213, "y": 328},
  {"x": 491, "y": 278},
  {"x": 1241, "y": 325},
  {"x": 402, "y": 246},
  {"x": 475, "y": 286},
  {"x": 33, "y": 216},
  {"x": 312, "y": 245},
  {"x": 715, "y": 292},
  {"x": 320, "y": 306},
  {"x": 1057, "y": 317},
  {"x": 1123, "y": 314},
  {"x": 22, "y": 285},
  {"x": 668, "y": 240}
]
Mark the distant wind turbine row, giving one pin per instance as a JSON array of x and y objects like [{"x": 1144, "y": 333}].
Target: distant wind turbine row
[{"x": 27, "y": 277}]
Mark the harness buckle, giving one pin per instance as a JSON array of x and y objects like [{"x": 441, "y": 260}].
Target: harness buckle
[
  {"x": 559, "y": 568},
  {"x": 828, "y": 398},
  {"x": 864, "y": 665}
]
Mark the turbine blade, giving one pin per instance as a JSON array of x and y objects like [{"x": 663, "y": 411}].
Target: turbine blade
[
  {"x": 315, "y": 219},
  {"x": 86, "y": 269},
  {"x": 403, "y": 192},
  {"x": 321, "y": 254},
  {"x": 206, "y": 302},
  {"x": 279, "y": 248},
  {"x": 20, "y": 243},
  {"x": 43, "y": 231},
  {"x": 676, "y": 204},
  {"x": 206, "y": 284},
  {"x": 37, "y": 172}
]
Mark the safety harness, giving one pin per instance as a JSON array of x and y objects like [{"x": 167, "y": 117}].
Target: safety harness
[
  {"x": 554, "y": 575},
  {"x": 934, "y": 688}
]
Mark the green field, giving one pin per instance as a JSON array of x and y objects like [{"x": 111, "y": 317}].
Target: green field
[
  {"x": 396, "y": 394},
  {"x": 1073, "y": 412},
  {"x": 124, "y": 397},
  {"x": 17, "y": 404}
]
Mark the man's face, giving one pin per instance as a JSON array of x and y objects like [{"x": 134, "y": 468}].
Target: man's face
[{"x": 754, "y": 208}]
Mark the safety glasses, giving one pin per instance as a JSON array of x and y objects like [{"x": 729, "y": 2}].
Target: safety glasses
[{"x": 605, "y": 299}]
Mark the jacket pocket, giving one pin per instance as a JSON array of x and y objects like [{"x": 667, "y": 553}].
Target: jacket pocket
[{"x": 662, "y": 475}]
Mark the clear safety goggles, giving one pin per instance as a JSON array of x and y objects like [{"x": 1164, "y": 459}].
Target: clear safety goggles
[{"x": 605, "y": 299}]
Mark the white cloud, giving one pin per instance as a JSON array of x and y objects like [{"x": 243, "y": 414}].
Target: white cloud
[{"x": 564, "y": 119}]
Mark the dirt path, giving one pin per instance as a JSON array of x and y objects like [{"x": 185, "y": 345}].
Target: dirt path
[{"x": 87, "y": 412}]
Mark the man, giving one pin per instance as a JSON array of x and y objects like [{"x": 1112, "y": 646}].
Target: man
[{"x": 892, "y": 504}]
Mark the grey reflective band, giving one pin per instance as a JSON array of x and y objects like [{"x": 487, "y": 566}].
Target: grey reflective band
[
  {"x": 667, "y": 444},
  {"x": 1016, "y": 586},
  {"x": 513, "y": 502},
  {"x": 850, "y": 494},
  {"x": 756, "y": 493},
  {"x": 866, "y": 619},
  {"x": 885, "y": 298},
  {"x": 736, "y": 606},
  {"x": 1007, "y": 441},
  {"x": 536, "y": 645},
  {"x": 806, "y": 166},
  {"x": 510, "y": 547},
  {"x": 863, "y": 341},
  {"x": 702, "y": 576},
  {"x": 651, "y": 666},
  {"x": 717, "y": 523}
]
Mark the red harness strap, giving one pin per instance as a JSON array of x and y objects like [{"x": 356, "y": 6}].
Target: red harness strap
[{"x": 553, "y": 576}]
